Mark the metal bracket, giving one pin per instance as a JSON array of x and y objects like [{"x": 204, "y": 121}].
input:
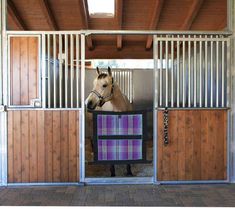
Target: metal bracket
[
  {"x": 35, "y": 102},
  {"x": 3, "y": 108}
]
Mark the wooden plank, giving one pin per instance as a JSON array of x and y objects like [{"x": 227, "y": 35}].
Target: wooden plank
[
  {"x": 166, "y": 158},
  {"x": 10, "y": 147},
  {"x": 17, "y": 146},
  {"x": 205, "y": 143},
  {"x": 33, "y": 146},
  {"x": 219, "y": 148},
  {"x": 56, "y": 146},
  {"x": 212, "y": 146},
  {"x": 64, "y": 146},
  {"x": 41, "y": 147},
  {"x": 78, "y": 144},
  {"x": 24, "y": 74},
  {"x": 73, "y": 146},
  {"x": 196, "y": 166},
  {"x": 160, "y": 174},
  {"x": 48, "y": 145},
  {"x": 15, "y": 71},
  {"x": 33, "y": 67},
  {"x": 181, "y": 124},
  {"x": 173, "y": 142},
  {"x": 25, "y": 145},
  {"x": 225, "y": 122}
]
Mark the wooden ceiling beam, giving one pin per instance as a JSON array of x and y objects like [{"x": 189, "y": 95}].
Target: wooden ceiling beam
[
  {"x": 154, "y": 21},
  {"x": 48, "y": 14},
  {"x": 12, "y": 11},
  {"x": 192, "y": 13},
  {"x": 119, "y": 14},
  {"x": 85, "y": 16}
]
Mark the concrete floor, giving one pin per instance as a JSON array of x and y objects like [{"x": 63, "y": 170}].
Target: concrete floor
[{"x": 121, "y": 195}]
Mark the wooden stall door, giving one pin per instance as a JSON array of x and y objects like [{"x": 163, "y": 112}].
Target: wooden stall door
[
  {"x": 197, "y": 146},
  {"x": 43, "y": 146},
  {"x": 24, "y": 69}
]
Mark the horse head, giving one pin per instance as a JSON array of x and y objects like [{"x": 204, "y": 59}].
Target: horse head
[{"x": 102, "y": 90}]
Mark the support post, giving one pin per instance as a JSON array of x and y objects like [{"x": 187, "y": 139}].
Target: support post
[
  {"x": 231, "y": 90},
  {"x": 3, "y": 93}
]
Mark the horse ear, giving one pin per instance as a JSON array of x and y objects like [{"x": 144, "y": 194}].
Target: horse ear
[
  {"x": 109, "y": 71},
  {"x": 97, "y": 70}
]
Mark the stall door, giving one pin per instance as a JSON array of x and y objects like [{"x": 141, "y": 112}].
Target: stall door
[
  {"x": 42, "y": 144},
  {"x": 197, "y": 145}
]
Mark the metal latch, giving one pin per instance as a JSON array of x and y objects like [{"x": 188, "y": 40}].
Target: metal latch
[
  {"x": 3, "y": 108},
  {"x": 35, "y": 102}
]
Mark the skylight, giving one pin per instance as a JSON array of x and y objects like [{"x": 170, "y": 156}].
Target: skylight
[{"x": 101, "y": 8}]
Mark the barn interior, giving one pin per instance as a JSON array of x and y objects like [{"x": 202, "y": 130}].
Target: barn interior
[{"x": 111, "y": 50}]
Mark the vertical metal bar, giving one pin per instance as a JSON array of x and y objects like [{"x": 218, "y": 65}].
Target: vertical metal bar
[
  {"x": 183, "y": 74},
  {"x": 166, "y": 99},
  {"x": 71, "y": 68},
  {"x": 222, "y": 69},
  {"x": 54, "y": 70},
  {"x": 48, "y": 72},
  {"x": 195, "y": 72},
  {"x": 189, "y": 73},
  {"x": 77, "y": 69},
  {"x": 160, "y": 87},
  {"x": 217, "y": 72},
  {"x": 128, "y": 84},
  {"x": 206, "y": 74},
  {"x": 132, "y": 92},
  {"x": 4, "y": 93},
  {"x": 60, "y": 71},
  {"x": 172, "y": 73},
  {"x": 43, "y": 71},
  {"x": 200, "y": 72},
  {"x": 66, "y": 69},
  {"x": 211, "y": 66},
  {"x": 155, "y": 103},
  {"x": 178, "y": 73},
  {"x": 82, "y": 141}
]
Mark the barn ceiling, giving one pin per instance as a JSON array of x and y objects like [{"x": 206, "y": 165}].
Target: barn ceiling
[{"x": 129, "y": 15}]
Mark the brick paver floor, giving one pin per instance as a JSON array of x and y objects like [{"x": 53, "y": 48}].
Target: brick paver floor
[{"x": 121, "y": 195}]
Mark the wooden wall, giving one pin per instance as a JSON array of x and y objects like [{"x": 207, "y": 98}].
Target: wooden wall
[
  {"x": 197, "y": 145},
  {"x": 24, "y": 69},
  {"x": 43, "y": 146}
]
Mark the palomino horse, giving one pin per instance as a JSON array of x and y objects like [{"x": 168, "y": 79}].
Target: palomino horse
[{"x": 107, "y": 96}]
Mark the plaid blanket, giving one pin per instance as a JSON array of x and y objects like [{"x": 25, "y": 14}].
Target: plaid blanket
[
  {"x": 115, "y": 125},
  {"x": 130, "y": 149}
]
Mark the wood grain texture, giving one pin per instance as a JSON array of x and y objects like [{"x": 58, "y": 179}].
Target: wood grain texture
[
  {"x": 197, "y": 146},
  {"x": 43, "y": 146},
  {"x": 24, "y": 69}
]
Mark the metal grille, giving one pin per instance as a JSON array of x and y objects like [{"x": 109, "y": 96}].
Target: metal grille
[
  {"x": 62, "y": 83},
  {"x": 191, "y": 71},
  {"x": 124, "y": 79}
]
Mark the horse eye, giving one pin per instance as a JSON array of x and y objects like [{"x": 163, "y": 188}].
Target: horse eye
[{"x": 105, "y": 85}]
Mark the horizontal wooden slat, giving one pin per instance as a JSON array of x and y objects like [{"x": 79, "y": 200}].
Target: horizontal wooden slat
[
  {"x": 197, "y": 146},
  {"x": 43, "y": 146}
]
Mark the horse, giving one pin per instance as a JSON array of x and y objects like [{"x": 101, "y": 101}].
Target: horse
[{"x": 107, "y": 96}]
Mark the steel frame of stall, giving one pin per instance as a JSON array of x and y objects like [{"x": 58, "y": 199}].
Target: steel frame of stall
[{"x": 4, "y": 58}]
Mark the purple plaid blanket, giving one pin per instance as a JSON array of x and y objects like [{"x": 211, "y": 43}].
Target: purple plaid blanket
[
  {"x": 130, "y": 149},
  {"x": 115, "y": 125}
]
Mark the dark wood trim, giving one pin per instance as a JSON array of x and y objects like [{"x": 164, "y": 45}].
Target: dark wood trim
[
  {"x": 192, "y": 13},
  {"x": 48, "y": 14},
  {"x": 154, "y": 21},
  {"x": 13, "y": 12},
  {"x": 119, "y": 14}
]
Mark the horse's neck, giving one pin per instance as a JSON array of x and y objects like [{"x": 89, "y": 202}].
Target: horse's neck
[{"x": 118, "y": 101}]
